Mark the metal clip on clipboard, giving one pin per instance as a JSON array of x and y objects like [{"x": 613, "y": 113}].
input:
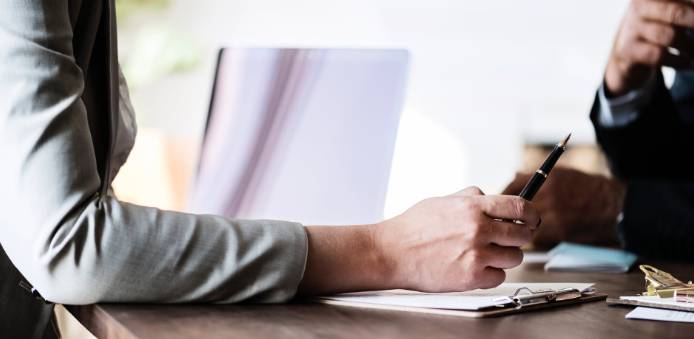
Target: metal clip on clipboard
[{"x": 527, "y": 297}]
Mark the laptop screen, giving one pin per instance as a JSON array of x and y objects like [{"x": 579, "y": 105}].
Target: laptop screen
[{"x": 301, "y": 134}]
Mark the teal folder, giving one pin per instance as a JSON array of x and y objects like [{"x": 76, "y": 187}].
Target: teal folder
[{"x": 570, "y": 257}]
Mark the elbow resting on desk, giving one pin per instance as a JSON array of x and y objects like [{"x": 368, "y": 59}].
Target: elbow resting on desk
[
  {"x": 62, "y": 262},
  {"x": 118, "y": 252}
]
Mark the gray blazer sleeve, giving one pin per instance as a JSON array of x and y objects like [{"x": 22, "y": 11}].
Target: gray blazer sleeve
[{"x": 77, "y": 247}]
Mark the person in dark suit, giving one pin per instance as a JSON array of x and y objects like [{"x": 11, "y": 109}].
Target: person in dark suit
[
  {"x": 647, "y": 130},
  {"x": 647, "y": 133}
]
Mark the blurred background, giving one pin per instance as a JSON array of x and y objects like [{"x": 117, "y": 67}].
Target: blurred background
[{"x": 492, "y": 83}]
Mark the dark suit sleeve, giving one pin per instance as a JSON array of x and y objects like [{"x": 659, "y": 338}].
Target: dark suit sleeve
[
  {"x": 659, "y": 143},
  {"x": 653, "y": 155},
  {"x": 659, "y": 219}
]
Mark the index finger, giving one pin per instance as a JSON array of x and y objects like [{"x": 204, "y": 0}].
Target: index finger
[
  {"x": 509, "y": 207},
  {"x": 509, "y": 234},
  {"x": 669, "y": 12}
]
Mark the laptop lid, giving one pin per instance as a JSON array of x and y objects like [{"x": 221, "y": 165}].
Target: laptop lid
[{"x": 301, "y": 134}]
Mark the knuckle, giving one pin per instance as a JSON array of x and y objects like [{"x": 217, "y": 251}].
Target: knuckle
[
  {"x": 480, "y": 229},
  {"x": 674, "y": 12},
  {"x": 499, "y": 277},
  {"x": 503, "y": 231},
  {"x": 653, "y": 55},
  {"x": 473, "y": 209},
  {"x": 638, "y": 8},
  {"x": 665, "y": 34},
  {"x": 476, "y": 256},
  {"x": 493, "y": 278},
  {"x": 475, "y": 190},
  {"x": 634, "y": 7},
  {"x": 467, "y": 204},
  {"x": 471, "y": 191},
  {"x": 517, "y": 257},
  {"x": 520, "y": 206},
  {"x": 477, "y": 276},
  {"x": 624, "y": 43},
  {"x": 467, "y": 210},
  {"x": 527, "y": 235},
  {"x": 476, "y": 232}
]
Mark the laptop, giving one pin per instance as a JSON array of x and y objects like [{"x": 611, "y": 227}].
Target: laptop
[{"x": 305, "y": 135}]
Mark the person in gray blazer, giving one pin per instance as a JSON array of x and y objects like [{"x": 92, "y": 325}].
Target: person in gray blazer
[{"x": 66, "y": 127}]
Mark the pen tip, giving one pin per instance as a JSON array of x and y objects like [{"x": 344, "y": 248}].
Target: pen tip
[{"x": 565, "y": 141}]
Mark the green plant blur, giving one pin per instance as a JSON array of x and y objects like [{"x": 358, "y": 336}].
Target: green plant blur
[
  {"x": 155, "y": 48},
  {"x": 125, "y": 8}
]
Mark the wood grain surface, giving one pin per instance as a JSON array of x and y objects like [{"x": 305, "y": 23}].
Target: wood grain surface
[{"x": 306, "y": 320}]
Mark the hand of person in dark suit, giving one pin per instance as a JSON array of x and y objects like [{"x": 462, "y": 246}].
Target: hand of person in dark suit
[
  {"x": 575, "y": 206},
  {"x": 649, "y": 32}
]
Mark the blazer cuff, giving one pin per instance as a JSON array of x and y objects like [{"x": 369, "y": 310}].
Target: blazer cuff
[
  {"x": 621, "y": 111},
  {"x": 285, "y": 271}
]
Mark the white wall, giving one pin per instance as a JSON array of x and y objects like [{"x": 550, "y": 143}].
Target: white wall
[{"x": 487, "y": 76}]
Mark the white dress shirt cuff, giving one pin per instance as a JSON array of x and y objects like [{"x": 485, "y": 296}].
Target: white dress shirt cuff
[{"x": 622, "y": 110}]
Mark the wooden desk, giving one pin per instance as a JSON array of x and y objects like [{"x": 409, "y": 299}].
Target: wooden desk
[{"x": 592, "y": 320}]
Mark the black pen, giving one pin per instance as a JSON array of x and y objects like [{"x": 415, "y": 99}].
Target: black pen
[{"x": 541, "y": 174}]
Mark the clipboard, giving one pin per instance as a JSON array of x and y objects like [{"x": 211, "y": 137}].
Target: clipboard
[{"x": 524, "y": 300}]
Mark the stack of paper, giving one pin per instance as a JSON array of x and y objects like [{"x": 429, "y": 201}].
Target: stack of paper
[
  {"x": 661, "y": 309},
  {"x": 655, "y": 301},
  {"x": 568, "y": 257},
  {"x": 648, "y": 313},
  {"x": 471, "y": 300}
]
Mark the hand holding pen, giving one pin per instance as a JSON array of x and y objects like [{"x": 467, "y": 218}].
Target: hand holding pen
[{"x": 538, "y": 178}]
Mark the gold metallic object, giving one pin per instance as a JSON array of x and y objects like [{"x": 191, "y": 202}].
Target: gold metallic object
[
  {"x": 542, "y": 173},
  {"x": 663, "y": 284}
]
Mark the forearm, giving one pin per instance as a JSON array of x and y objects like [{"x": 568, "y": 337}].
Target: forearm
[
  {"x": 345, "y": 258},
  {"x": 118, "y": 252}
]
